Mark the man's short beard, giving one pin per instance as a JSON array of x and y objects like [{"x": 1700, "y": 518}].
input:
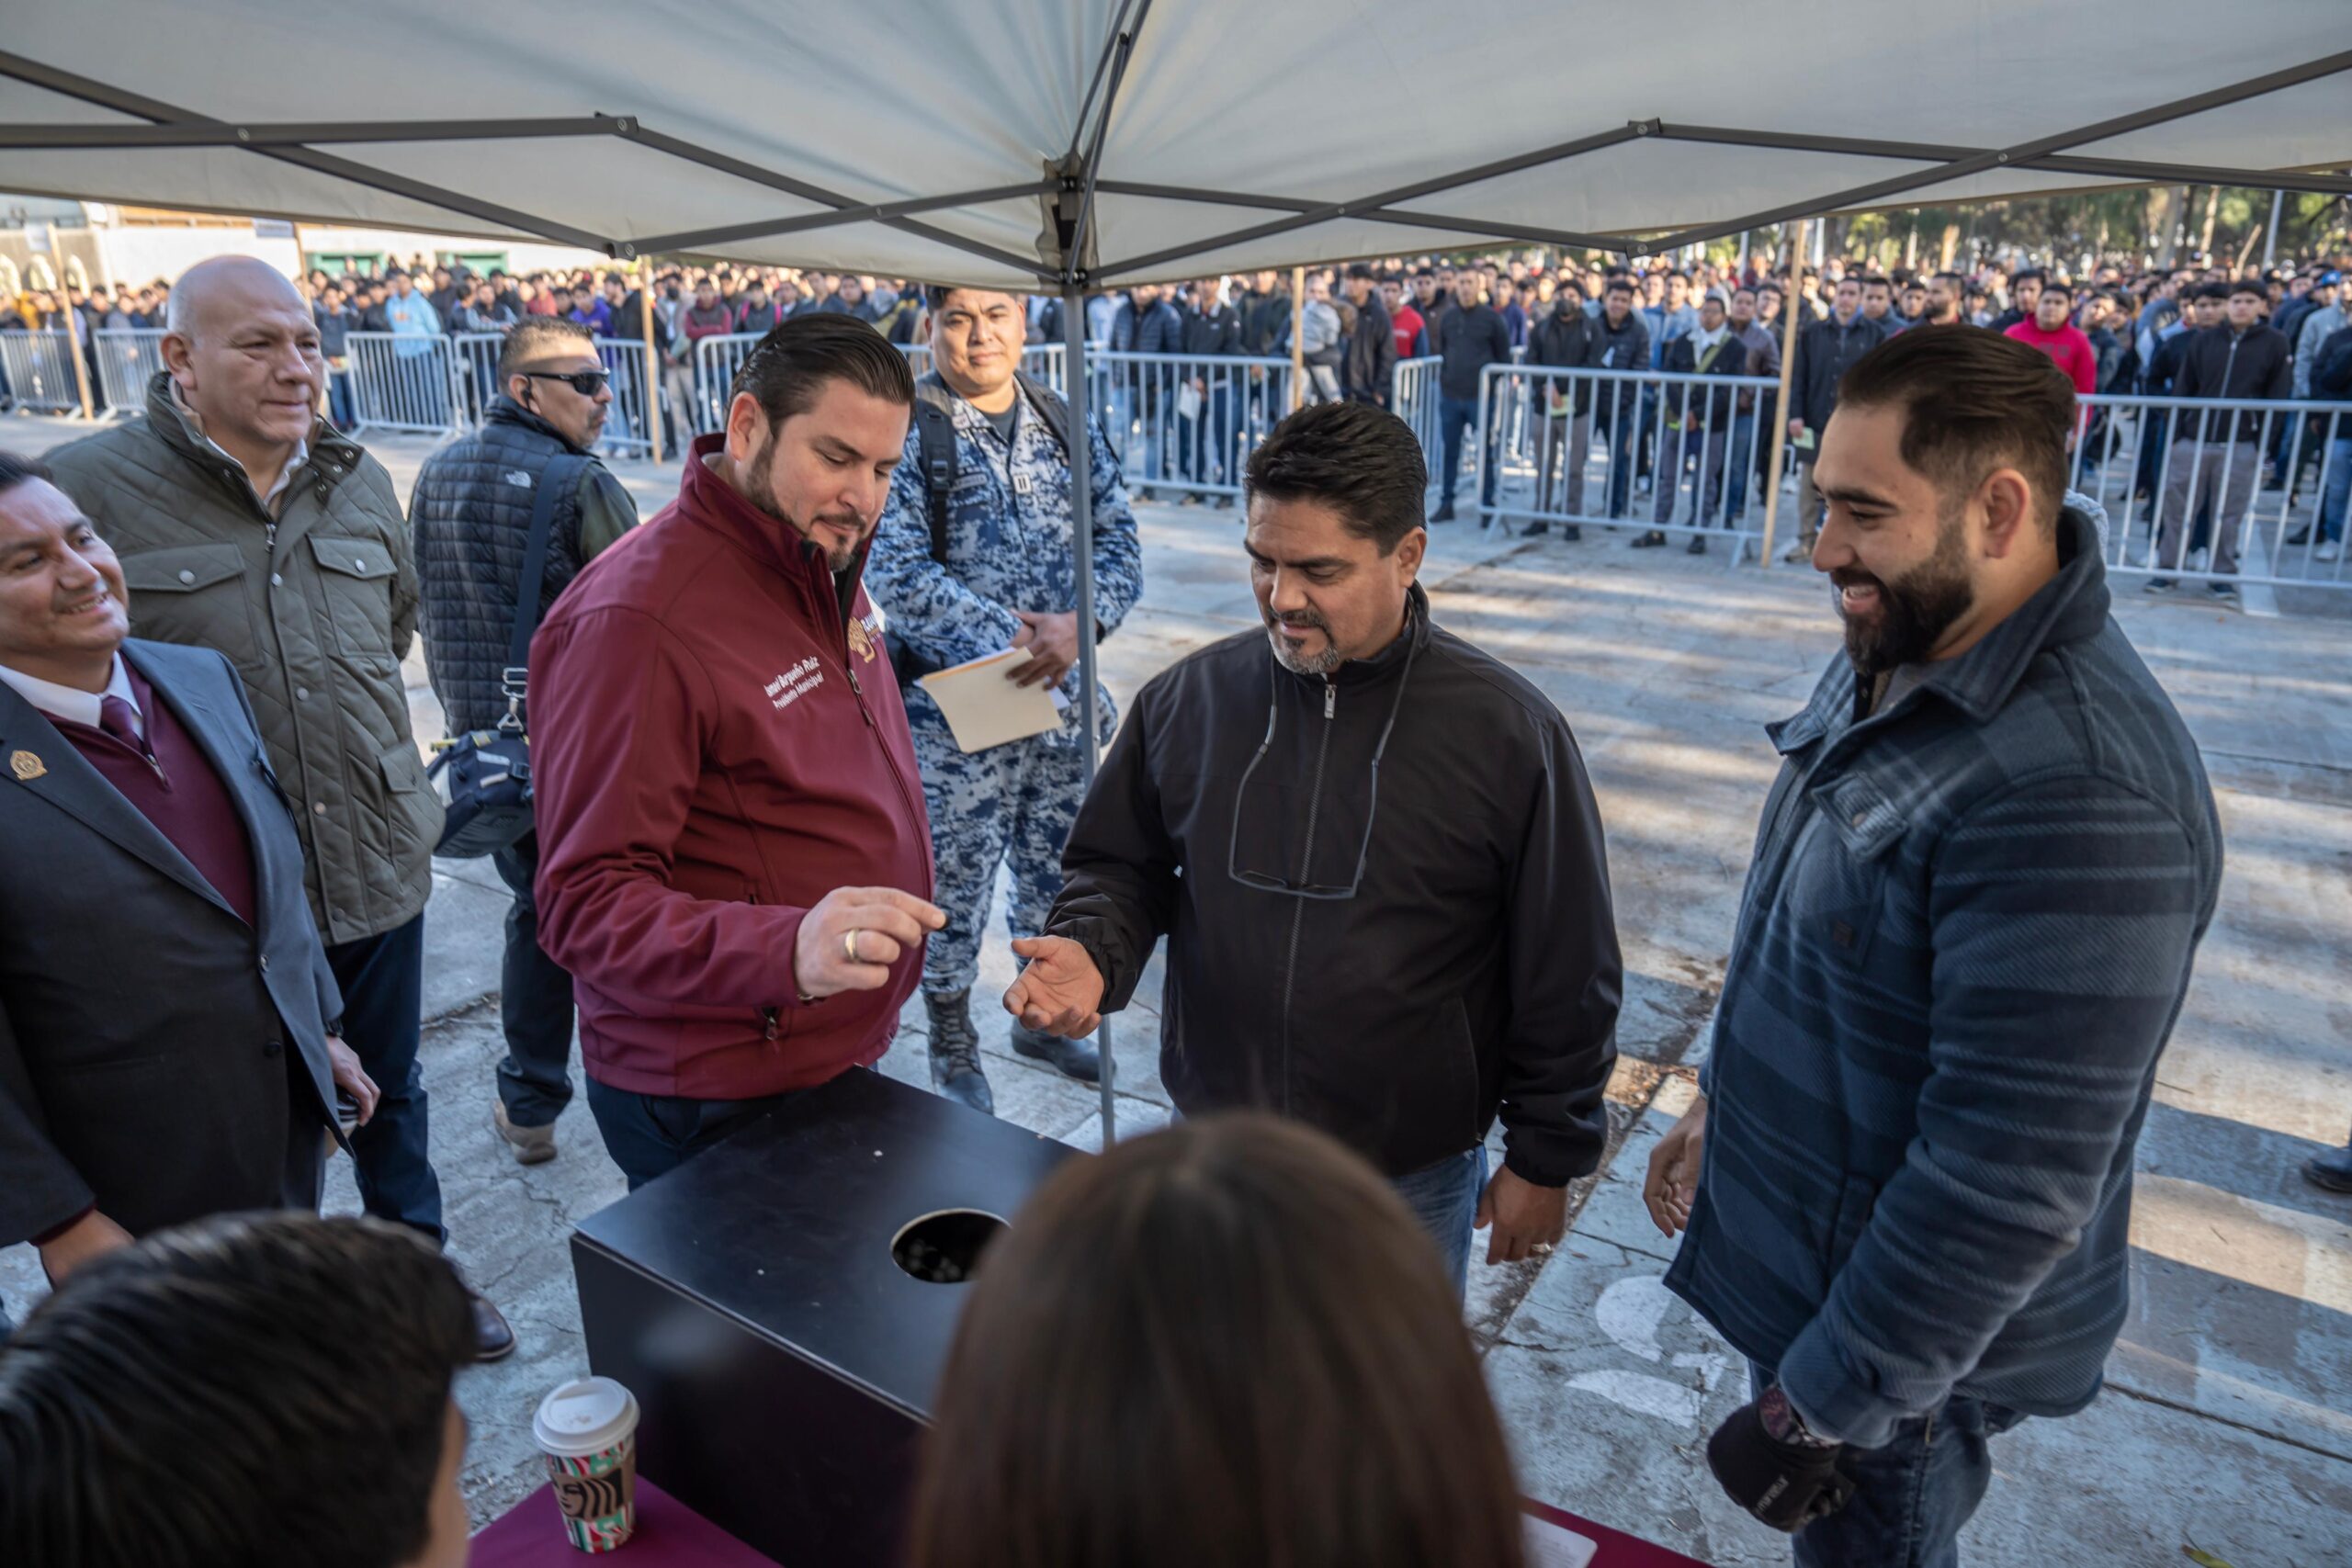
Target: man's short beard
[
  {"x": 1322, "y": 664},
  {"x": 1914, "y": 610},
  {"x": 760, "y": 478}
]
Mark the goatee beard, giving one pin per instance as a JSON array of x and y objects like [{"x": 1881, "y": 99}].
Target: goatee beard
[
  {"x": 759, "y": 476},
  {"x": 1321, "y": 663}
]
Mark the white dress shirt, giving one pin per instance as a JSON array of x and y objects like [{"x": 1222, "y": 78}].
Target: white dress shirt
[{"x": 70, "y": 702}]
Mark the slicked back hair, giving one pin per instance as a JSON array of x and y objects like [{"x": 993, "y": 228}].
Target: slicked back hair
[
  {"x": 252, "y": 1388},
  {"x": 1972, "y": 402},
  {"x": 787, "y": 368},
  {"x": 14, "y": 471},
  {"x": 535, "y": 338},
  {"x": 1361, "y": 461}
]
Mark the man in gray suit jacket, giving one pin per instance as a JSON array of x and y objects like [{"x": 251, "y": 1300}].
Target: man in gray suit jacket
[{"x": 167, "y": 1016}]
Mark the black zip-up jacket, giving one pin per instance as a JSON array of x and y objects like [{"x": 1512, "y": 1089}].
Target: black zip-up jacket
[
  {"x": 1826, "y": 351},
  {"x": 2228, "y": 365},
  {"x": 1476, "y": 970},
  {"x": 1471, "y": 339},
  {"x": 1563, "y": 338},
  {"x": 1371, "y": 361},
  {"x": 1209, "y": 333}
]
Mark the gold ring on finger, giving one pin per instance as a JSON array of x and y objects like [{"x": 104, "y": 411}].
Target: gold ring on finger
[{"x": 849, "y": 945}]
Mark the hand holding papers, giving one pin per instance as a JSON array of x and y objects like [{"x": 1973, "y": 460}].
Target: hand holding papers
[{"x": 984, "y": 709}]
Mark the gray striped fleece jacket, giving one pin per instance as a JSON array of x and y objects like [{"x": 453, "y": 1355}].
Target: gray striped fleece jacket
[{"x": 1964, "y": 937}]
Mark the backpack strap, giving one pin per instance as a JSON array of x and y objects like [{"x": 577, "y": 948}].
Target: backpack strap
[
  {"x": 935, "y": 428},
  {"x": 559, "y": 478},
  {"x": 1051, "y": 406}
]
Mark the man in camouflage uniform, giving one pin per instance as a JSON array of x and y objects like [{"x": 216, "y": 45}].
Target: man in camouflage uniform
[{"x": 1008, "y": 579}]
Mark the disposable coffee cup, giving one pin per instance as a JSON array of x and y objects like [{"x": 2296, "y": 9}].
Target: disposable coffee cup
[{"x": 587, "y": 1431}]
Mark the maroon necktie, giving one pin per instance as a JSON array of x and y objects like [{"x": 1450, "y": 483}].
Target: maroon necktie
[{"x": 120, "y": 720}]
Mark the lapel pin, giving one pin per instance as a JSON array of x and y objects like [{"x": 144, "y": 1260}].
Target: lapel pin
[{"x": 26, "y": 766}]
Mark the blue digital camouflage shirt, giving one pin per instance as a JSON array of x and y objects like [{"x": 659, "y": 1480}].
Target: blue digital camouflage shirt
[{"x": 1009, "y": 548}]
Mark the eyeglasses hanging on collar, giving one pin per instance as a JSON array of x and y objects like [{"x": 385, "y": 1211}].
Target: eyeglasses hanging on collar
[{"x": 1268, "y": 882}]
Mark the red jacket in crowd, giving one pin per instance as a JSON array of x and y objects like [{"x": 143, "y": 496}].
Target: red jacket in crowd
[
  {"x": 2068, "y": 346},
  {"x": 717, "y": 743}
]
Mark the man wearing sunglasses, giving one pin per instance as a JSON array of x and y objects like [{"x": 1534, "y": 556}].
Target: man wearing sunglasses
[
  {"x": 471, "y": 516},
  {"x": 1376, "y": 859}
]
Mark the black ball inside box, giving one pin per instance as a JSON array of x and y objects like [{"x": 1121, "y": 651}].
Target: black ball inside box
[{"x": 782, "y": 1307}]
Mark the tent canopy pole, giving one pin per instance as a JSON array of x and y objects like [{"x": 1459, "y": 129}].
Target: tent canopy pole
[{"x": 1082, "y": 510}]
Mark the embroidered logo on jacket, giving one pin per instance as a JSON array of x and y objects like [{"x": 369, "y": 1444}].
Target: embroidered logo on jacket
[
  {"x": 787, "y": 688},
  {"x": 862, "y": 635}
]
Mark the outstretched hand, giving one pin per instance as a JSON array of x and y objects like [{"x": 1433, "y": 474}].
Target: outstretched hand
[{"x": 1059, "y": 991}]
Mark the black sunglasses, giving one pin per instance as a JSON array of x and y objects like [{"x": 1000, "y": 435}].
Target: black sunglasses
[{"x": 587, "y": 383}]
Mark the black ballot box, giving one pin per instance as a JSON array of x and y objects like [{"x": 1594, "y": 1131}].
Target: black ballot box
[{"x": 753, "y": 1300}]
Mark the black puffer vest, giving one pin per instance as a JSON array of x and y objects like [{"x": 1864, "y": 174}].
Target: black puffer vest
[{"x": 471, "y": 518}]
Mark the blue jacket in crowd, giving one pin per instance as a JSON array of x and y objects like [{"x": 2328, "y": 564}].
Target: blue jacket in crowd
[{"x": 1964, "y": 939}]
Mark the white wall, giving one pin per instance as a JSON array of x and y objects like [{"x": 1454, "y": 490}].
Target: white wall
[
  {"x": 522, "y": 255},
  {"x": 140, "y": 255}
]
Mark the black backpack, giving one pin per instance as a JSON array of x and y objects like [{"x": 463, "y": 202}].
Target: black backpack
[{"x": 936, "y": 431}]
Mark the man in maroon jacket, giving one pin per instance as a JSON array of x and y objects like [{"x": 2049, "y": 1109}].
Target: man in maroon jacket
[{"x": 734, "y": 859}]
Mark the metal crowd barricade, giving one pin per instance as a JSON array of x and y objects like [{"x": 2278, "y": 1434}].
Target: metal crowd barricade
[
  {"x": 2184, "y": 484},
  {"x": 473, "y": 377},
  {"x": 1412, "y": 396},
  {"x": 627, "y": 434},
  {"x": 127, "y": 359},
  {"x": 403, "y": 381},
  {"x": 1186, "y": 421},
  {"x": 39, "y": 371},
  {"x": 1538, "y": 429}
]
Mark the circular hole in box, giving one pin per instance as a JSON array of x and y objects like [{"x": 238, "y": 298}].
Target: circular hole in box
[{"x": 944, "y": 1249}]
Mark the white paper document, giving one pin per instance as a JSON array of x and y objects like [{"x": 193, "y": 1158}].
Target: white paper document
[{"x": 986, "y": 709}]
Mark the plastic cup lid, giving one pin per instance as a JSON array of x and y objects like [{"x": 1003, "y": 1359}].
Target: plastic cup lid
[{"x": 584, "y": 1415}]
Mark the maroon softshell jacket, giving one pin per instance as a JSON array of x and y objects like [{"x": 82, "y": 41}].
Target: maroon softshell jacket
[{"x": 717, "y": 742}]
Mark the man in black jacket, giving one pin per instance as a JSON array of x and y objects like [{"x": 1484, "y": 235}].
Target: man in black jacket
[
  {"x": 1560, "y": 407},
  {"x": 1826, "y": 351},
  {"x": 2216, "y": 456},
  {"x": 1470, "y": 336},
  {"x": 1206, "y": 452},
  {"x": 1392, "y": 965},
  {"x": 1371, "y": 350},
  {"x": 471, "y": 519}
]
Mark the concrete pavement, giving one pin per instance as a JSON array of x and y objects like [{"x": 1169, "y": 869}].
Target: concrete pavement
[{"x": 2223, "y": 1426}]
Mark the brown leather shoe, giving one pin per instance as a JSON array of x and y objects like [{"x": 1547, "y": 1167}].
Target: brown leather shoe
[
  {"x": 532, "y": 1145},
  {"x": 493, "y": 1340}
]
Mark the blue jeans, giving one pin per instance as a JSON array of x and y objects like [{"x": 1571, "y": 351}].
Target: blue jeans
[
  {"x": 1614, "y": 407},
  {"x": 1912, "y": 1497},
  {"x": 1455, "y": 415},
  {"x": 652, "y": 1135},
  {"x": 2340, "y": 487},
  {"x": 382, "y": 981},
  {"x": 1445, "y": 1198},
  {"x": 340, "y": 412},
  {"x": 1741, "y": 467}
]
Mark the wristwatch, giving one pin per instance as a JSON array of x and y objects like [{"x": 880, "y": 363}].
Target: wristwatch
[{"x": 1784, "y": 1425}]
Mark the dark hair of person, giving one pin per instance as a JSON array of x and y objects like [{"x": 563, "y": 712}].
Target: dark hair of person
[
  {"x": 2213, "y": 291},
  {"x": 1363, "y": 270},
  {"x": 14, "y": 471},
  {"x": 1617, "y": 283},
  {"x": 252, "y": 1388},
  {"x": 1972, "y": 402},
  {"x": 539, "y": 337},
  {"x": 1363, "y": 461},
  {"x": 2054, "y": 286},
  {"x": 2244, "y": 286},
  {"x": 1427, "y": 271},
  {"x": 1873, "y": 279},
  {"x": 786, "y": 369},
  {"x": 2035, "y": 273},
  {"x": 1227, "y": 1343}
]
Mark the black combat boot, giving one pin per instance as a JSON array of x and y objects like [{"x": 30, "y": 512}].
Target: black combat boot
[{"x": 956, "y": 1051}]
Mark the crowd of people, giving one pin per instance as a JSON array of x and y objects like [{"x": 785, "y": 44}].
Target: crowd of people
[
  {"x": 2112, "y": 329},
  {"x": 753, "y": 837}
]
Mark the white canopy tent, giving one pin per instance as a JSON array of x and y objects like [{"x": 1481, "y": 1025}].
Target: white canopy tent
[{"x": 1071, "y": 145}]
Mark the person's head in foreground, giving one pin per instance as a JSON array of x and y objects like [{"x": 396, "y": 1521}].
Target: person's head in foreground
[
  {"x": 1228, "y": 1343},
  {"x": 816, "y": 423},
  {"x": 250, "y": 1389},
  {"x": 1943, "y": 468},
  {"x": 1335, "y": 535}
]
